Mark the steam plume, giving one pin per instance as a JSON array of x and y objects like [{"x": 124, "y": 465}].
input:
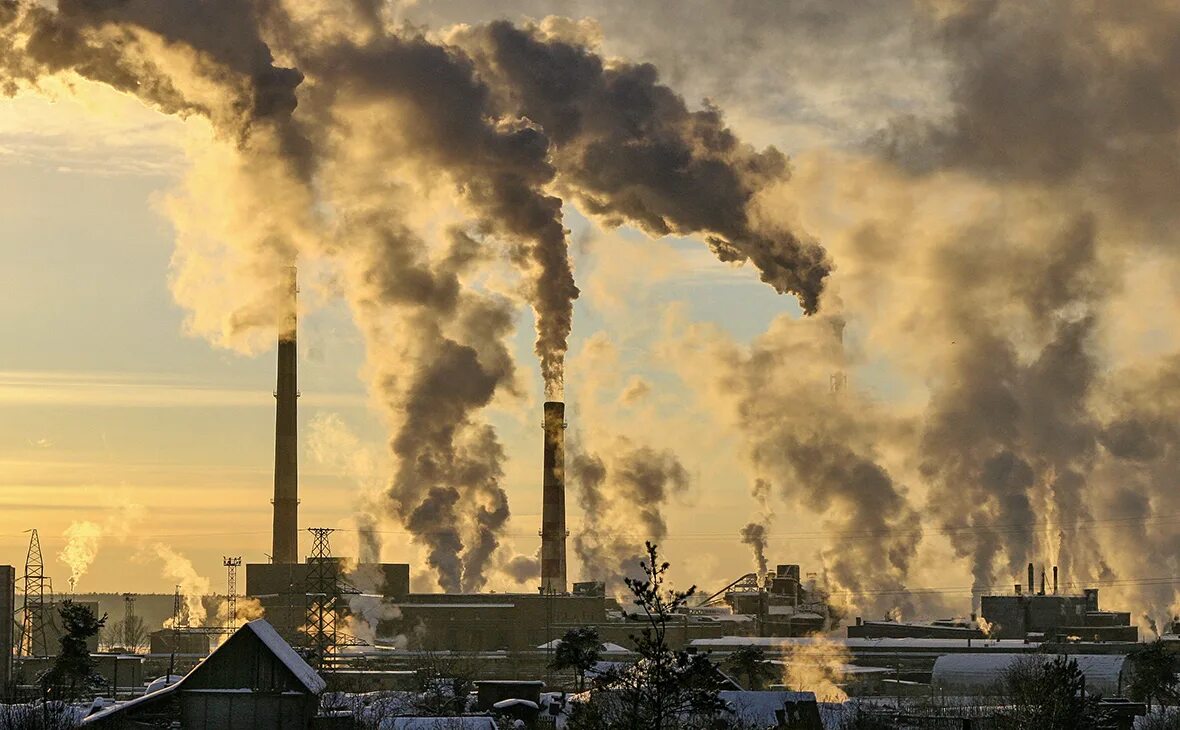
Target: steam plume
[
  {"x": 193, "y": 586},
  {"x": 81, "y": 548},
  {"x": 623, "y": 498}
]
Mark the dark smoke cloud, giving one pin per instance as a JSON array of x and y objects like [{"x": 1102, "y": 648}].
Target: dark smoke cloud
[
  {"x": 473, "y": 111},
  {"x": 631, "y": 151},
  {"x": 1010, "y": 439},
  {"x": 446, "y": 487},
  {"x": 499, "y": 164},
  {"x": 821, "y": 448},
  {"x": 754, "y": 535},
  {"x": 1060, "y": 92},
  {"x": 110, "y": 41},
  {"x": 622, "y": 498},
  {"x": 522, "y": 568}
]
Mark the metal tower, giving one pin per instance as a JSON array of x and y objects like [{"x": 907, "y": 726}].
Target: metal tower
[
  {"x": 322, "y": 590},
  {"x": 179, "y": 610},
  {"x": 231, "y": 590},
  {"x": 38, "y": 602}
]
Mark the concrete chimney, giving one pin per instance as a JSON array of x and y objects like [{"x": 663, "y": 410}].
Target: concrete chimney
[
  {"x": 285, "y": 545},
  {"x": 553, "y": 532},
  {"x": 1032, "y": 580},
  {"x": 1054, "y": 580}
]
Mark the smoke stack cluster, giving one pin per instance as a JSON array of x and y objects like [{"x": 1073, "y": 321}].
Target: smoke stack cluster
[
  {"x": 553, "y": 532},
  {"x": 285, "y": 546}
]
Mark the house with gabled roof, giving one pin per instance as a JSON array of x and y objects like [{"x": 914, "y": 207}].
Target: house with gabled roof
[{"x": 253, "y": 681}]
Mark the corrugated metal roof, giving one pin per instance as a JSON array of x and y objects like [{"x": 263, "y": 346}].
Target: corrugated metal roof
[{"x": 984, "y": 672}]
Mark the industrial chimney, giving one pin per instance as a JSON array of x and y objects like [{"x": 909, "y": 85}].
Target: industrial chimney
[
  {"x": 285, "y": 546},
  {"x": 553, "y": 532},
  {"x": 1031, "y": 580}
]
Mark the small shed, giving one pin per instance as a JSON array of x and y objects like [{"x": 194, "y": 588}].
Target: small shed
[
  {"x": 252, "y": 681},
  {"x": 984, "y": 672}
]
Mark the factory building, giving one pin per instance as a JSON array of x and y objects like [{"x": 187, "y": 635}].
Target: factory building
[
  {"x": 937, "y": 629},
  {"x": 779, "y": 604},
  {"x": 282, "y": 588},
  {"x": 1053, "y": 616}
]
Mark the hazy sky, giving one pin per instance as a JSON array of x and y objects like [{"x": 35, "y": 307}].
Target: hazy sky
[
  {"x": 109, "y": 402},
  {"x": 992, "y": 185}
]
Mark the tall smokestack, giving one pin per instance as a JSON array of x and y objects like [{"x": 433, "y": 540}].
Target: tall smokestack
[
  {"x": 1054, "y": 580},
  {"x": 1031, "y": 579},
  {"x": 553, "y": 532},
  {"x": 285, "y": 546}
]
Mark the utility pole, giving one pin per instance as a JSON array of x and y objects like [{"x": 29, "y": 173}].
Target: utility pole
[
  {"x": 322, "y": 590},
  {"x": 231, "y": 590}
]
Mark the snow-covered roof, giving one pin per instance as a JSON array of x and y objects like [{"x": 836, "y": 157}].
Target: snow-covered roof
[
  {"x": 775, "y": 642},
  {"x": 515, "y": 702},
  {"x": 985, "y": 671},
  {"x": 439, "y": 723},
  {"x": 606, "y": 647},
  {"x": 792, "y": 611},
  {"x": 285, "y": 654},
  {"x": 455, "y": 605},
  {"x": 121, "y": 706},
  {"x": 758, "y": 707}
]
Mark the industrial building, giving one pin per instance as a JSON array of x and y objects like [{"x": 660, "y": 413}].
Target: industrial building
[
  {"x": 1053, "y": 616},
  {"x": 777, "y": 604},
  {"x": 7, "y": 628}
]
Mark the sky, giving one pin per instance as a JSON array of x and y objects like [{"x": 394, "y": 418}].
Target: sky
[
  {"x": 113, "y": 402},
  {"x": 972, "y": 201}
]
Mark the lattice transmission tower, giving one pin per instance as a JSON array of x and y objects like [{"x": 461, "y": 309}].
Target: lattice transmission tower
[
  {"x": 231, "y": 590},
  {"x": 38, "y": 602},
  {"x": 322, "y": 590}
]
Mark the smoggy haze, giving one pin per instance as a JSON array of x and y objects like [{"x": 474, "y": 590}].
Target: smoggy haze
[{"x": 886, "y": 289}]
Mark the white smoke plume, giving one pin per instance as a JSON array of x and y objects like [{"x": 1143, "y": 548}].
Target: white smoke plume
[
  {"x": 81, "y": 548},
  {"x": 84, "y": 537},
  {"x": 193, "y": 586}
]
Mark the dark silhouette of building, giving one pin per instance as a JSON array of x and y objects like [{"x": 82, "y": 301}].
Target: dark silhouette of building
[{"x": 254, "y": 680}]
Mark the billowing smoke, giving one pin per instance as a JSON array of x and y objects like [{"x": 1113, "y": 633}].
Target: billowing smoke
[
  {"x": 754, "y": 533},
  {"x": 192, "y": 585},
  {"x": 334, "y": 445},
  {"x": 522, "y": 568},
  {"x": 81, "y": 548},
  {"x": 630, "y": 151},
  {"x": 822, "y": 447},
  {"x": 623, "y": 498},
  {"x": 84, "y": 537},
  {"x": 329, "y": 154}
]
